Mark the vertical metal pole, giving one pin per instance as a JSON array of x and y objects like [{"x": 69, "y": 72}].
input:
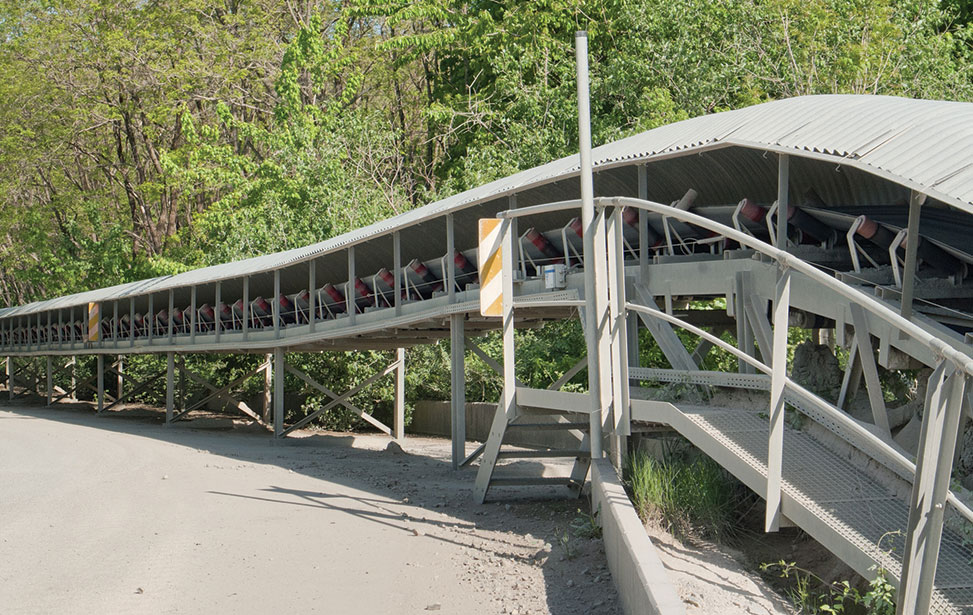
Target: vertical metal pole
[
  {"x": 246, "y": 308},
  {"x": 275, "y": 307},
  {"x": 60, "y": 329},
  {"x": 50, "y": 382},
  {"x": 131, "y": 321},
  {"x": 783, "y": 192},
  {"x": 10, "y": 377},
  {"x": 588, "y": 240},
  {"x": 351, "y": 302},
  {"x": 457, "y": 356},
  {"x": 634, "y": 360},
  {"x": 217, "y": 314},
  {"x": 268, "y": 382},
  {"x": 172, "y": 309},
  {"x": 278, "y": 392},
  {"x": 619, "y": 340},
  {"x": 192, "y": 315},
  {"x": 100, "y": 367},
  {"x": 399, "y": 420},
  {"x": 775, "y": 448},
  {"x": 397, "y": 266},
  {"x": 643, "y": 172},
  {"x": 743, "y": 326},
  {"x": 150, "y": 316},
  {"x": 48, "y": 336},
  {"x": 74, "y": 380},
  {"x": 916, "y": 199},
  {"x": 114, "y": 324},
  {"x": 120, "y": 377},
  {"x": 937, "y": 440},
  {"x": 312, "y": 300},
  {"x": 170, "y": 385},
  {"x": 450, "y": 273}
]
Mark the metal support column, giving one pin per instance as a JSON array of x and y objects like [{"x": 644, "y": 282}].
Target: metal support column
[
  {"x": 278, "y": 392},
  {"x": 783, "y": 193},
  {"x": 937, "y": 441},
  {"x": 275, "y": 306},
  {"x": 312, "y": 299},
  {"x": 120, "y": 377},
  {"x": 916, "y": 199},
  {"x": 588, "y": 222},
  {"x": 450, "y": 273},
  {"x": 508, "y": 401},
  {"x": 100, "y": 367},
  {"x": 268, "y": 382},
  {"x": 398, "y": 423},
  {"x": 457, "y": 355},
  {"x": 397, "y": 266},
  {"x": 11, "y": 368},
  {"x": 170, "y": 385},
  {"x": 775, "y": 448},
  {"x": 50, "y": 381},
  {"x": 619, "y": 340}
]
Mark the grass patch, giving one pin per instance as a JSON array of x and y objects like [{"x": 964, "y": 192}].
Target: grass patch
[{"x": 689, "y": 494}]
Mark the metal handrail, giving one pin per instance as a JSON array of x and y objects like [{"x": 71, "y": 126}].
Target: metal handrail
[{"x": 937, "y": 347}]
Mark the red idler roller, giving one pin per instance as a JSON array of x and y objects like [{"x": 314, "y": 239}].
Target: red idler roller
[
  {"x": 577, "y": 227},
  {"x": 876, "y": 233},
  {"x": 389, "y": 280},
  {"x": 544, "y": 246},
  {"x": 238, "y": 309},
  {"x": 753, "y": 212},
  {"x": 261, "y": 311},
  {"x": 363, "y": 294},
  {"x": 631, "y": 217},
  {"x": 430, "y": 283},
  {"x": 206, "y": 317},
  {"x": 303, "y": 302},
  {"x": 226, "y": 315},
  {"x": 811, "y": 226},
  {"x": 188, "y": 320},
  {"x": 288, "y": 314},
  {"x": 337, "y": 298},
  {"x": 178, "y": 320},
  {"x": 462, "y": 263}
]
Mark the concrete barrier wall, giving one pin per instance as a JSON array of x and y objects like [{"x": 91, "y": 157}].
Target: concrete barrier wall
[
  {"x": 433, "y": 418},
  {"x": 641, "y": 579}
]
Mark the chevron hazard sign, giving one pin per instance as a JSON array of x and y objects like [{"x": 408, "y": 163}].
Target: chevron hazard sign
[
  {"x": 94, "y": 322},
  {"x": 490, "y": 258}
]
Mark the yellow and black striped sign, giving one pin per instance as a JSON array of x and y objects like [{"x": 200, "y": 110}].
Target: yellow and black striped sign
[
  {"x": 94, "y": 322},
  {"x": 490, "y": 258}
]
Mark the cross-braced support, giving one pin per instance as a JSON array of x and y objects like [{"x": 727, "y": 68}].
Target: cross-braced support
[
  {"x": 397, "y": 367},
  {"x": 211, "y": 392}
]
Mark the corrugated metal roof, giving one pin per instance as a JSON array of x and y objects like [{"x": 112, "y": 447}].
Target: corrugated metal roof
[{"x": 925, "y": 145}]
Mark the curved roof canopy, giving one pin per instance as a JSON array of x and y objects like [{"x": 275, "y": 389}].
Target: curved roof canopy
[{"x": 860, "y": 150}]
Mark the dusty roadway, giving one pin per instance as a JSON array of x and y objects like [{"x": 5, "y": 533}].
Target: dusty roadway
[{"x": 119, "y": 514}]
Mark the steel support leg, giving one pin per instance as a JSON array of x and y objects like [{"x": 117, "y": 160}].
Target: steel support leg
[
  {"x": 268, "y": 383},
  {"x": 278, "y": 392},
  {"x": 507, "y": 410},
  {"x": 120, "y": 376},
  {"x": 775, "y": 448},
  {"x": 50, "y": 381},
  {"x": 170, "y": 385},
  {"x": 457, "y": 354},
  {"x": 399, "y": 420},
  {"x": 937, "y": 440},
  {"x": 100, "y": 368},
  {"x": 621, "y": 427},
  {"x": 10, "y": 377}
]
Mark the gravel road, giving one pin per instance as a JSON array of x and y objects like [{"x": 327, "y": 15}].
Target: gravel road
[{"x": 119, "y": 514}]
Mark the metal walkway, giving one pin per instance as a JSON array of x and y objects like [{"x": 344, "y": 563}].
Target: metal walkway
[{"x": 838, "y": 503}]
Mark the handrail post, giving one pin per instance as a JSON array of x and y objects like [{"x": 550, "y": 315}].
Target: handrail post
[
  {"x": 778, "y": 378},
  {"x": 588, "y": 222},
  {"x": 937, "y": 442}
]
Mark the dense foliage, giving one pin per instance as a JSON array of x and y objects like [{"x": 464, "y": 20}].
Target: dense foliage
[{"x": 140, "y": 138}]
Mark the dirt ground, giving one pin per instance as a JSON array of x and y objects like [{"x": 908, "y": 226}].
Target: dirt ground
[{"x": 119, "y": 514}]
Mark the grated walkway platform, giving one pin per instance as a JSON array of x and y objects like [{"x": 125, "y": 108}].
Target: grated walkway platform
[{"x": 840, "y": 505}]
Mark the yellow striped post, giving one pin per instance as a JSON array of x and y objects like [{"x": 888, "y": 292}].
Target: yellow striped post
[
  {"x": 94, "y": 322},
  {"x": 490, "y": 258}
]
